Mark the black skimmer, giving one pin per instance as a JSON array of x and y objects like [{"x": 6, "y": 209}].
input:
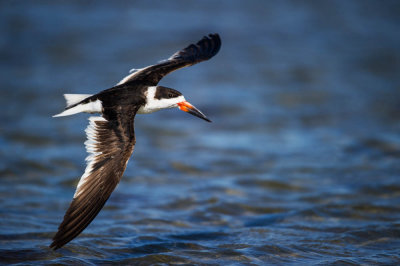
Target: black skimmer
[{"x": 111, "y": 136}]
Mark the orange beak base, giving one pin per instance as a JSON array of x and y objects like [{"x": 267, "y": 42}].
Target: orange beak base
[{"x": 188, "y": 108}]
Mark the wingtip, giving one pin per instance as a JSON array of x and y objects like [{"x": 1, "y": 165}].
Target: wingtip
[
  {"x": 215, "y": 42},
  {"x": 216, "y": 35},
  {"x": 218, "y": 39},
  {"x": 57, "y": 242},
  {"x": 54, "y": 246}
]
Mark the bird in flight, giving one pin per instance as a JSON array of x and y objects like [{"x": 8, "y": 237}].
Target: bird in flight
[{"x": 111, "y": 136}]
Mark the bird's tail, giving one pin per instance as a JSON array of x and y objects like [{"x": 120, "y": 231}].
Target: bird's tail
[{"x": 74, "y": 99}]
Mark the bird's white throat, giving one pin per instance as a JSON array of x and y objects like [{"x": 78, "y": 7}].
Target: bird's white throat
[{"x": 152, "y": 104}]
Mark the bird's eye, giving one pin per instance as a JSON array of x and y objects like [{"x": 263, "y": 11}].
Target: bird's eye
[{"x": 170, "y": 95}]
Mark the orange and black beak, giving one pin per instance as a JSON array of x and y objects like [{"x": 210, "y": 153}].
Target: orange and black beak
[{"x": 188, "y": 108}]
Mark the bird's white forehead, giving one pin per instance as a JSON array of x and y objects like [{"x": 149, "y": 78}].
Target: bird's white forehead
[{"x": 151, "y": 92}]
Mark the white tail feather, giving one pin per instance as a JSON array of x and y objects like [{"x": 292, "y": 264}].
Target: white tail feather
[
  {"x": 75, "y": 98},
  {"x": 90, "y": 107}
]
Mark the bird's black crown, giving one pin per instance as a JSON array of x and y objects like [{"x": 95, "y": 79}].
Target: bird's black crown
[{"x": 166, "y": 93}]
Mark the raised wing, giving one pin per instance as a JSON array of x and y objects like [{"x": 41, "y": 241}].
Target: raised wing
[
  {"x": 193, "y": 54},
  {"x": 110, "y": 143}
]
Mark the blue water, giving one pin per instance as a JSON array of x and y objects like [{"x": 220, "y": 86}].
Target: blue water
[{"x": 301, "y": 164}]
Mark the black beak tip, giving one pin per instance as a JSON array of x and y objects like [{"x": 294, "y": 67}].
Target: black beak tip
[
  {"x": 199, "y": 115},
  {"x": 196, "y": 112}
]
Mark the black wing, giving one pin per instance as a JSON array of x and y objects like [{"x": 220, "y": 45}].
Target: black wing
[
  {"x": 193, "y": 54},
  {"x": 110, "y": 143}
]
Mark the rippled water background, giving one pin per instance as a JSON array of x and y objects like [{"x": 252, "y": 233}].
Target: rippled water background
[{"x": 300, "y": 165}]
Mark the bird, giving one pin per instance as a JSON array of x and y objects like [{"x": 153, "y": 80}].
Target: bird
[{"x": 111, "y": 136}]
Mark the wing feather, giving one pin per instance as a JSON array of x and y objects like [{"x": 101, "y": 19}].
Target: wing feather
[
  {"x": 110, "y": 146},
  {"x": 192, "y": 54}
]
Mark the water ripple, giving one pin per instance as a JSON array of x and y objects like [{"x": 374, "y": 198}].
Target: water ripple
[{"x": 300, "y": 165}]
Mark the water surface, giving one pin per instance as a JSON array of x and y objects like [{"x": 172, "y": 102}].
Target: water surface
[{"x": 301, "y": 164}]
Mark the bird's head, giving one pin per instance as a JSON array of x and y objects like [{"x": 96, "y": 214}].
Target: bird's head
[{"x": 159, "y": 97}]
